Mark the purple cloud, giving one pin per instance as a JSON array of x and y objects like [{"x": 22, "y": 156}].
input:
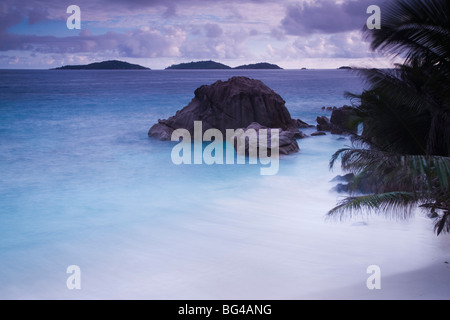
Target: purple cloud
[
  {"x": 213, "y": 30},
  {"x": 8, "y": 18},
  {"x": 137, "y": 43},
  {"x": 326, "y": 17}
]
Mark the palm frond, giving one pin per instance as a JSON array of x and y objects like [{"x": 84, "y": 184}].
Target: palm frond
[
  {"x": 398, "y": 205},
  {"x": 410, "y": 171},
  {"x": 418, "y": 29},
  {"x": 442, "y": 224}
]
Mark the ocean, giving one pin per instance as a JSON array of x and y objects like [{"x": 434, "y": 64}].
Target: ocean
[{"x": 81, "y": 184}]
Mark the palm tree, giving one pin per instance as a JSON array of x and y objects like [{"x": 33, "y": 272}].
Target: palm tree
[
  {"x": 403, "y": 151},
  {"x": 415, "y": 29},
  {"x": 400, "y": 183},
  {"x": 419, "y": 30}
]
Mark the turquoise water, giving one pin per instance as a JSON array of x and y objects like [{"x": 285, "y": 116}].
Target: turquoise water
[{"x": 82, "y": 184}]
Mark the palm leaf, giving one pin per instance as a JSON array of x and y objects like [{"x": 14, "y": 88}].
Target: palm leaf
[
  {"x": 418, "y": 29},
  {"x": 397, "y": 205},
  {"x": 442, "y": 224}
]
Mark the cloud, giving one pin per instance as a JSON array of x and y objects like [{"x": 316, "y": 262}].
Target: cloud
[
  {"x": 8, "y": 18},
  {"x": 336, "y": 46},
  {"x": 343, "y": 46},
  {"x": 37, "y": 15},
  {"x": 326, "y": 16},
  {"x": 239, "y": 30},
  {"x": 231, "y": 44},
  {"x": 278, "y": 34},
  {"x": 136, "y": 43},
  {"x": 213, "y": 30}
]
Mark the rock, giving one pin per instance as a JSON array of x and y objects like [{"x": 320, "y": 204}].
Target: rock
[
  {"x": 341, "y": 120},
  {"x": 298, "y": 134},
  {"x": 302, "y": 125},
  {"x": 324, "y": 124},
  {"x": 287, "y": 141},
  {"x": 342, "y": 188},
  {"x": 162, "y": 131},
  {"x": 347, "y": 178},
  {"x": 352, "y": 184},
  {"x": 317, "y": 134},
  {"x": 233, "y": 104}
]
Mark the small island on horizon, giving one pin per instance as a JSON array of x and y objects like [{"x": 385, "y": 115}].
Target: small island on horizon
[
  {"x": 105, "y": 65},
  {"x": 260, "y": 66},
  {"x": 199, "y": 65},
  {"x": 212, "y": 65}
]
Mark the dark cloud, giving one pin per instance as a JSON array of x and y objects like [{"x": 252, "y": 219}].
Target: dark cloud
[
  {"x": 37, "y": 15},
  {"x": 137, "y": 43},
  {"x": 327, "y": 17},
  {"x": 8, "y": 18}
]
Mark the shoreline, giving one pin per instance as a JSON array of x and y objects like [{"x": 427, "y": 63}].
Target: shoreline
[{"x": 427, "y": 283}]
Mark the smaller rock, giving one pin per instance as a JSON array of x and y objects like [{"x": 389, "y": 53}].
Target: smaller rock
[
  {"x": 302, "y": 125},
  {"x": 317, "y": 134},
  {"x": 347, "y": 178},
  {"x": 161, "y": 131},
  {"x": 324, "y": 124},
  {"x": 354, "y": 184},
  {"x": 341, "y": 120},
  {"x": 287, "y": 141},
  {"x": 342, "y": 188}
]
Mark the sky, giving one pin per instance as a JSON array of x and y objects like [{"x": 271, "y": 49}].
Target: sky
[{"x": 313, "y": 34}]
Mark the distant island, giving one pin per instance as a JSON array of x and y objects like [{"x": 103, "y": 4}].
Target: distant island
[
  {"x": 345, "y": 68},
  {"x": 105, "y": 65},
  {"x": 203, "y": 65},
  {"x": 212, "y": 65},
  {"x": 260, "y": 66}
]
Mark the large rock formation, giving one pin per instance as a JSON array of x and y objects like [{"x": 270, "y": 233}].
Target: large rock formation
[{"x": 233, "y": 104}]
